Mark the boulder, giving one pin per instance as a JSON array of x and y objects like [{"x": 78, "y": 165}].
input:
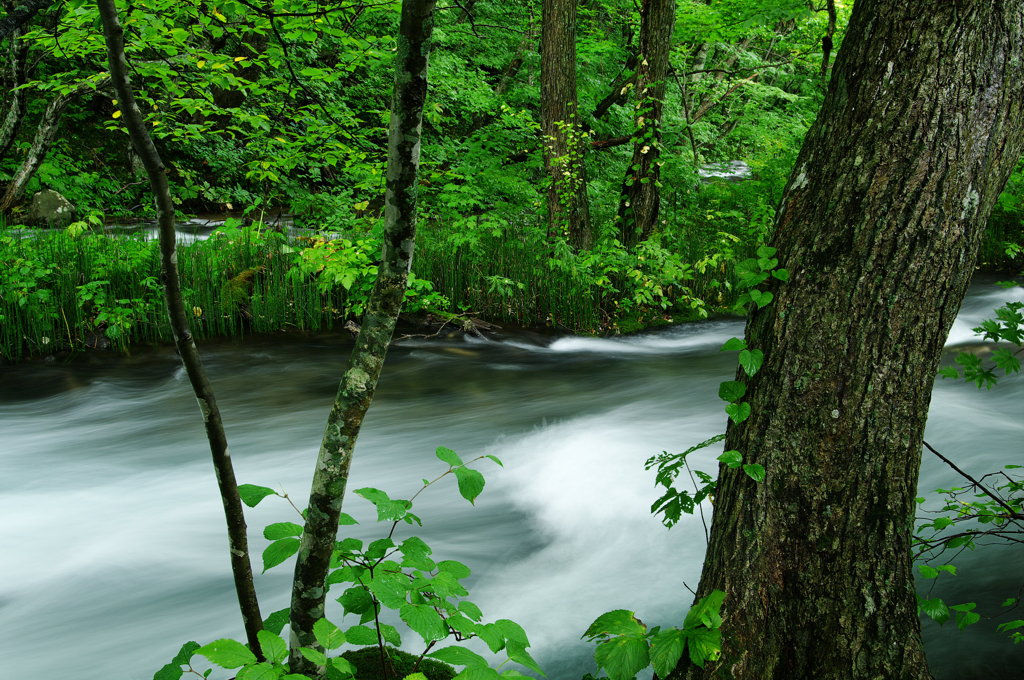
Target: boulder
[{"x": 50, "y": 208}]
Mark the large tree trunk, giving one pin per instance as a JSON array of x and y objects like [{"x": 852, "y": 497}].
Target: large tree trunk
[
  {"x": 879, "y": 227},
  {"x": 355, "y": 391},
  {"x": 568, "y": 209},
  {"x": 238, "y": 544},
  {"x": 641, "y": 197}
]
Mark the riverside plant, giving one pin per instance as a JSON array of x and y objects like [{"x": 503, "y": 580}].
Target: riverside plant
[{"x": 383, "y": 582}]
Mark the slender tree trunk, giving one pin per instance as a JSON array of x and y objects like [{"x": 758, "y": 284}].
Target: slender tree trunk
[
  {"x": 14, "y": 99},
  {"x": 826, "y": 40},
  {"x": 879, "y": 227},
  {"x": 568, "y": 209},
  {"x": 46, "y": 134},
  {"x": 355, "y": 392},
  {"x": 641, "y": 197},
  {"x": 143, "y": 144}
]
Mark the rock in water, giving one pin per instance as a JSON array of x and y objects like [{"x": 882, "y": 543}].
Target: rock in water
[{"x": 51, "y": 209}]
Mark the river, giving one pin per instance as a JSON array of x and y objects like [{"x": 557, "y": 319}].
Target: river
[{"x": 113, "y": 541}]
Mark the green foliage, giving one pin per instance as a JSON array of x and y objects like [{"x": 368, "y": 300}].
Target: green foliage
[
  {"x": 384, "y": 576},
  {"x": 625, "y": 646}
]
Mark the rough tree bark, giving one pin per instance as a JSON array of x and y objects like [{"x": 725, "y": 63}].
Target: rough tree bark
[
  {"x": 879, "y": 226},
  {"x": 568, "y": 208},
  {"x": 14, "y": 99},
  {"x": 46, "y": 134},
  {"x": 355, "y": 391},
  {"x": 641, "y": 197},
  {"x": 241, "y": 568}
]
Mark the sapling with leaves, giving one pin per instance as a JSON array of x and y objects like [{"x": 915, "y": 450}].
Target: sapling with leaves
[{"x": 384, "y": 582}]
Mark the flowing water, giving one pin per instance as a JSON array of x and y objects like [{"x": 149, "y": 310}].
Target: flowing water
[{"x": 113, "y": 540}]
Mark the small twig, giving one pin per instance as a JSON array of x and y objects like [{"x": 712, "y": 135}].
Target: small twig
[{"x": 984, "y": 489}]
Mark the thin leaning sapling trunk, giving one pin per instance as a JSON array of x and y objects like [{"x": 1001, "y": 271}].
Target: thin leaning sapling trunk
[
  {"x": 355, "y": 391},
  {"x": 241, "y": 567}
]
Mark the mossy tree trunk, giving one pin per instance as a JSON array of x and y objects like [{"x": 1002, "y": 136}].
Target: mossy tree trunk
[
  {"x": 355, "y": 392},
  {"x": 238, "y": 544},
  {"x": 879, "y": 226},
  {"x": 641, "y": 196},
  {"x": 564, "y": 145}
]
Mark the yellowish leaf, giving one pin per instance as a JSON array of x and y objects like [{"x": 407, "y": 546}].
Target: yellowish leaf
[
  {"x": 117, "y": 114},
  {"x": 241, "y": 58},
  {"x": 201, "y": 63},
  {"x": 219, "y": 15}
]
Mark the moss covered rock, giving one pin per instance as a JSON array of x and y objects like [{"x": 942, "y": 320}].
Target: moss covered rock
[{"x": 368, "y": 665}]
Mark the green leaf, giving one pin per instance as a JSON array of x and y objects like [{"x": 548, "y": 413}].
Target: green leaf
[
  {"x": 424, "y": 621},
  {"x": 513, "y": 632},
  {"x": 738, "y": 412},
  {"x": 732, "y": 459},
  {"x": 517, "y": 652},
  {"x": 390, "y": 635},
  {"x": 616, "y": 622},
  {"x": 754, "y": 471},
  {"x": 666, "y": 650},
  {"x": 415, "y": 676},
  {"x": 227, "y": 653},
  {"x": 471, "y": 483},
  {"x": 496, "y": 460},
  {"x": 766, "y": 251},
  {"x": 704, "y": 644},
  {"x": 622, "y": 657},
  {"x": 928, "y": 572},
  {"x": 345, "y": 519},
  {"x": 185, "y": 654},
  {"x": 276, "y": 622},
  {"x": 459, "y": 656},
  {"x": 170, "y": 671},
  {"x": 356, "y": 600},
  {"x": 251, "y": 494},
  {"x": 273, "y": 647},
  {"x": 478, "y": 673},
  {"x": 470, "y": 610},
  {"x": 280, "y": 530},
  {"x": 343, "y": 666},
  {"x": 731, "y": 390},
  {"x": 313, "y": 656},
  {"x": 762, "y": 298},
  {"x": 360, "y": 635},
  {"x": 705, "y": 611},
  {"x": 781, "y": 274},
  {"x": 733, "y": 344},
  {"x": 261, "y": 671},
  {"x": 278, "y": 551},
  {"x": 328, "y": 634},
  {"x": 448, "y": 456},
  {"x": 935, "y": 609},
  {"x": 751, "y": 360},
  {"x": 491, "y": 635}
]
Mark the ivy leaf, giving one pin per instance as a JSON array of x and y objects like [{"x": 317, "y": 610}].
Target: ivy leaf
[
  {"x": 251, "y": 494},
  {"x": 733, "y": 344},
  {"x": 227, "y": 653},
  {"x": 622, "y": 657},
  {"x": 761, "y": 297},
  {"x": 328, "y": 634},
  {"x": 273, "y": 532},
  {"x": 731, "y": 390},
  {"x": 751, "y": 360},
  {"x": 471, "y": 483},
  {"x": 732, "y": 459},
  {"x": 705, "y": 611},
  {"x": 754, "y": 471},
  {"x": 781, "y": 274},
  {"x": 738, "y": 412},
  {"x": 273, "y": 647},
  {"x": 278, "y": 551},
  {"x": 766, "y": 251},
  {"x": 448, "y": 456}
]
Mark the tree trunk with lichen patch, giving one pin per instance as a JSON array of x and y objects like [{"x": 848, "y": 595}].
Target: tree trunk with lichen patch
[
  {"x": 355, "y": 392},
  {"x": 879, "y": 227},
  {"x": 564, "y": 144},
  {"x": 641, "y": 197}
]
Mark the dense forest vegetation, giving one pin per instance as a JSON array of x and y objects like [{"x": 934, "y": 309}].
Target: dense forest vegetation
[
  {"x": 281, "y": 110},
  {"x": 589, "y": 166}
]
